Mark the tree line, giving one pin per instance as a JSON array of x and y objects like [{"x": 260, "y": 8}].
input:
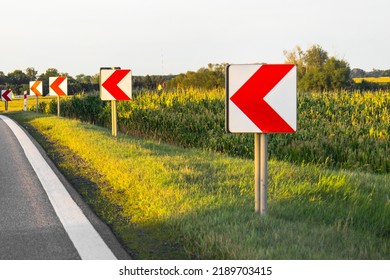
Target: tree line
[
  {"x": 375, "y": 73},
  {"x": 316, "y": 70}
]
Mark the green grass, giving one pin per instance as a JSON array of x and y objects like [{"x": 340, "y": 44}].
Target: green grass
[{"x": 166, "y": 202}]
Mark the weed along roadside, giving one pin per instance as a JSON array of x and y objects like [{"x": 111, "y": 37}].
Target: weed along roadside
[{"x": 168, "y": 202}]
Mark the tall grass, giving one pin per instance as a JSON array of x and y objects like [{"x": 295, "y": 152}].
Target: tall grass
[{"x": 343, "y": 129}]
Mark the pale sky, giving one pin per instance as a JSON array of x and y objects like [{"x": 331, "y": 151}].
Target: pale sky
[{"x": 171, "y": 36}]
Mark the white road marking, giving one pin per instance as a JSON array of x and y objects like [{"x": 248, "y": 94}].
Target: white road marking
[{"x": 85, "y": 238}]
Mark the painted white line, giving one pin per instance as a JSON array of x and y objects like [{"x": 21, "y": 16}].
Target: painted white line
[{"x": 85, "y": 238}]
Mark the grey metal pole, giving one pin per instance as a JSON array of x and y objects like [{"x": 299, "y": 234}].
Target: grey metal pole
[
  {"x": 263, "y": 174},
  {"x": 37, "y": 105},
  {"x": 257, "y": 172},
  {"x": 114, "y": 118},
  {"x": 58, "y": 106}
]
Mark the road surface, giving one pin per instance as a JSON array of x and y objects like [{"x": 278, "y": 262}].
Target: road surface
[{"x": 41, "y": 215}]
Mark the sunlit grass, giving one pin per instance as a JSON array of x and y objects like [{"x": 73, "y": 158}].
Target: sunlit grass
[{"x": 169, "y": 202}]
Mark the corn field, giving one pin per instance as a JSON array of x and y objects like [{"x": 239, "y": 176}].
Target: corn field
[{"x": 349, "y": 130}]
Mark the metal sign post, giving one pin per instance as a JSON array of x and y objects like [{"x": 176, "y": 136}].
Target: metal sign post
[
  {"x": 261, "y": 173},
  {"x": 58, "y": 106},
  {"x": 114, "y": 122},
  {"x": 257, "y": 173}
]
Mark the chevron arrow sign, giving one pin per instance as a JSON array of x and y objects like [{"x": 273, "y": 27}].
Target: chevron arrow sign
[
  {"x": 36, "y": 87},
  {"x": 115, "y": 84},
  {"x": 58, "y": 86},
  {"x": 6, "y": 95},
  {"x": 261, "y": 98}
]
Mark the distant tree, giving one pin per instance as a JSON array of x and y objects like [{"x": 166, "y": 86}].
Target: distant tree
[
  {"x": 315, "y": 57},
  {"x": 16, "y": 81},
  {"x": 211, "y": 77},
  {"x": 318, "y": 71},
  {"x": 95, "y": 79},
  {"x": 17, "y": 77},
  {"x": 386, "y": 73},
  {"x": 150, "y": 82},
  {"x": 337, "y": 73},
  {"x": 31, "y": 73},
  {"x": 296, "y": 57},
  {"x": 3, "y": 80},
  {"x": 378, "y": 73},
  {"x": 86, "y": 83},
  {"x": 358, "y": 73}
]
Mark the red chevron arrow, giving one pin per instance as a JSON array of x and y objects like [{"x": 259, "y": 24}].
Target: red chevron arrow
[
  {"x": 34, "y": 88},
  {"x": 250, "y": 98},
  {"x": 6, "y": 95},
  {"x": 111, "y": 84},
  {"x": 56, "y": 86}
]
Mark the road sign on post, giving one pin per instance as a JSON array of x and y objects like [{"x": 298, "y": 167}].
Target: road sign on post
[
  {"x": 6, "y": 95},
  {"x": 115, "y": 84},
  {"x": 58, "y": 87},
  {"x": 36, "y": 88},
  {"x": 261, "y": 99}
]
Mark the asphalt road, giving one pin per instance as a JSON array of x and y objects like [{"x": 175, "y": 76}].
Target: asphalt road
[{"x": 30, "y": 227}]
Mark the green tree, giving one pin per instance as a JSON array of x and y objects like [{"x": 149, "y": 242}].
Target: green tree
[
  {"x": 296, "y": 57},
  {"x": 207, "y": 78},
  {"x": 17, "y": 81},
  {"x": 338, "y": 74},
  {"x": 95, "y": 79},
  {"x": 318, "y": 71},
  {"x": 3, "y": 80},
  {"x": 31, "y": 73},
  {"x": 315, "y": 57}
]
